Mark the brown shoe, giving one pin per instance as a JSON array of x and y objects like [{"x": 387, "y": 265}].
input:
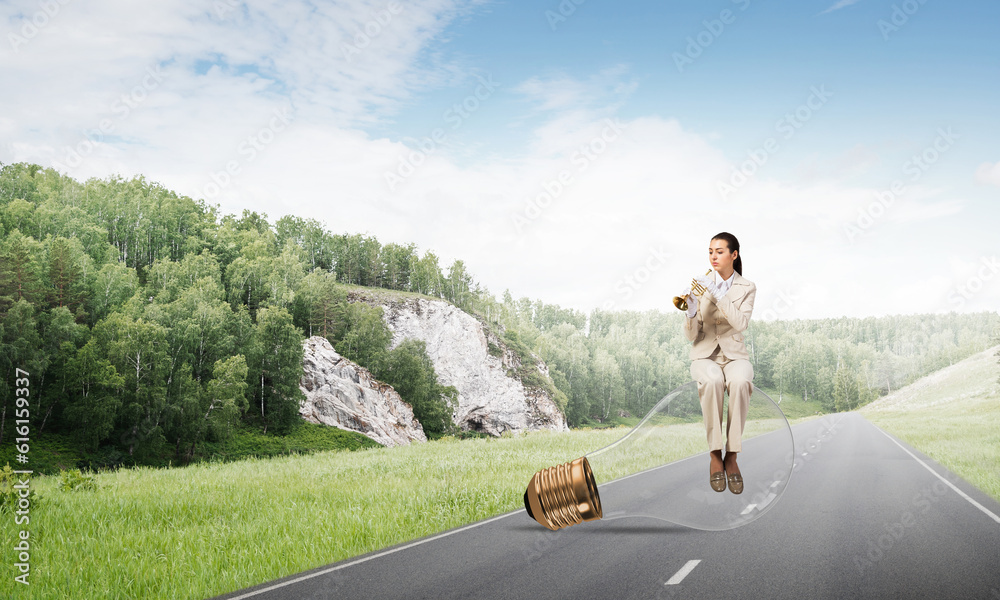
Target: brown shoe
[
  {"x": 735, "y": 483},
  {"x": 718, "y": 481}
]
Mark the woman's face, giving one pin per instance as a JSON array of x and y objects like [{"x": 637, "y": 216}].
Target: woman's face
[{"x": 720, "y": 256}]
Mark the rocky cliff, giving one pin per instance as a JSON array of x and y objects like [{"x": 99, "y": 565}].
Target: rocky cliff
[
  {"x": 344, "y": 394},
  {"x": 491, "y": 399}
]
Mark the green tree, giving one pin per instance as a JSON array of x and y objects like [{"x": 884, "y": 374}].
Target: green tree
[
  {"x": 113, "y": 284},
  {"x": 18, "y": 214},
  {"x": 396, "y": 263},
  {"x": 225, "y": 396},
  {"x": 67, "y": 266},
  {"x": 20, "y": 271},
  {"x": 209, "y": 412},
  {"x": 20, "y": 180},
  {"x": 93, "y": 400},
  {"x": 320, "y": 305},
  {"x": 425, "y": 275},
  {"x": 274, "y": 360},
  {"x": 285, "y": 273},
  {"x": 61, "y": 337},
  {"x": 845, "y": 389},
  {"x": 410, "y": 371},
  {"x": 20, "y": 348},
  {"x": 458, "y": 286},
  {"x": 167, "y": 279},
  {"x": 138, "y": 351},
  {"x": 247, "y": 276},
  {"x": 311, "y": 236},
  {"x": 367, "y": 335},
  {"x": 606, "y": 383}
]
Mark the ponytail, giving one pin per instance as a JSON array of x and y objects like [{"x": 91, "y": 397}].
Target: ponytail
[{"x": 734, "y": 246}]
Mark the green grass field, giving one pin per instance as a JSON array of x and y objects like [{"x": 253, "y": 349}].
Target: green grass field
[
  {"x": 214, "y": 527},
  {"x": 210, "y": 528},
  {"x": 952, "y": 416}
]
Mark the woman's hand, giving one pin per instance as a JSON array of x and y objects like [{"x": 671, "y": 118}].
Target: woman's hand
[
  {"x": 692, "y": 302},
  {"x": 710, "y": 286}
]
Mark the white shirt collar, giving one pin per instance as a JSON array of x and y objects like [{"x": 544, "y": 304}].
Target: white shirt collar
[{"x": 728, "y": 283}]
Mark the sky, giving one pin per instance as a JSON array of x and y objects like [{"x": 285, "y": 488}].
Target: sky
[{"x": 577, "y": 152}]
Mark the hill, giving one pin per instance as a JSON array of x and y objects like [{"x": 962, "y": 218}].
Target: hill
[{"x": 951, "y": 415}]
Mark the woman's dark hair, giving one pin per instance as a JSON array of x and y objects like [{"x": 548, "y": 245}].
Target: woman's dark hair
[{"x": 734, "y": 246}]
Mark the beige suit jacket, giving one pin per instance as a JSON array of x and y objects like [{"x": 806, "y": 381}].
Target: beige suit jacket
[{"x": 722, "y": 323}]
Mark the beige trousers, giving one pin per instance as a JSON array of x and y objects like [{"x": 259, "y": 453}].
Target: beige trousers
[{"x": 714, "y": 375}]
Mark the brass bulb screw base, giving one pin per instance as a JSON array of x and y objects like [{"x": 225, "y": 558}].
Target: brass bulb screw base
[{"x": 563, "y": 495}]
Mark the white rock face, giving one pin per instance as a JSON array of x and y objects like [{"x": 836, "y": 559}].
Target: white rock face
[
  {"x": 344, "y": 394},
  {"x": 489, "y": 400}
]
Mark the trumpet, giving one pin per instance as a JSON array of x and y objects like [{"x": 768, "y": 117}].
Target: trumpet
[{"x": 681, "y": 301}]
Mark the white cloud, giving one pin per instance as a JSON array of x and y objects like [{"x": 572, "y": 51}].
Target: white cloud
[
  {"x": 606, "y": 88},
  {"x": 155, "y": 73},
  {"x": 202, "y": 90}
]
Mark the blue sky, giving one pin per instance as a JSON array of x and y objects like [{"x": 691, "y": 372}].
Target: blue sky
[
  {"x": 851, "y": 146},
  {"x": 939, "y": 67}
]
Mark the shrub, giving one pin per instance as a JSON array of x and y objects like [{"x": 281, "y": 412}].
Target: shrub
[
  {"x": 74, "y": 480},
  {"x": 9, "y": 495}
]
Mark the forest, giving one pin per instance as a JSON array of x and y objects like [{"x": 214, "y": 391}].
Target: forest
[{"x": 152, "y": 326}]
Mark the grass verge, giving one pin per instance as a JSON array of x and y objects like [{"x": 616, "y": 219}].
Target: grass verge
[
  {"x": 211, "y": 528},
  {"x": 952, "y": 416},
  {"x": 964, "y": 437}
]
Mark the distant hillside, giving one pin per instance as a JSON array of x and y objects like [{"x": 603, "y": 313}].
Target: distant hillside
[
  {"x": 953, "y": 416},
  {"x": 971, "y": 379}
]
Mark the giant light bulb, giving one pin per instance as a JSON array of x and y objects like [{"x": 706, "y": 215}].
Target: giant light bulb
[{"x": 660, "y": 470}]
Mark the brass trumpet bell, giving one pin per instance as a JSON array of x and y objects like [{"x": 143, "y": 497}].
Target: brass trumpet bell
[{"x": 697, "y": 289}]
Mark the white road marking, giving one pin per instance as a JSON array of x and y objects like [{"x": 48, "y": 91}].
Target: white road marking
[
  {"x": 368, "y": 558},
  {"x": 749, "y": 508},
  {"x": 680, "y": 575},
  {"x": 988, "y": 512}
]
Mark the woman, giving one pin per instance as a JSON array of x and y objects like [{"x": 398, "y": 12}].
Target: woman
[{"x": 716, "y": 320}]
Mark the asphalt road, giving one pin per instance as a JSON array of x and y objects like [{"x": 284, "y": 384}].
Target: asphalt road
[{"x": 863, "y": 516}]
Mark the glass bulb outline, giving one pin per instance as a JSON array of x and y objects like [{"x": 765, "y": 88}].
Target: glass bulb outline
[{"x": 567, "y": 491}]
